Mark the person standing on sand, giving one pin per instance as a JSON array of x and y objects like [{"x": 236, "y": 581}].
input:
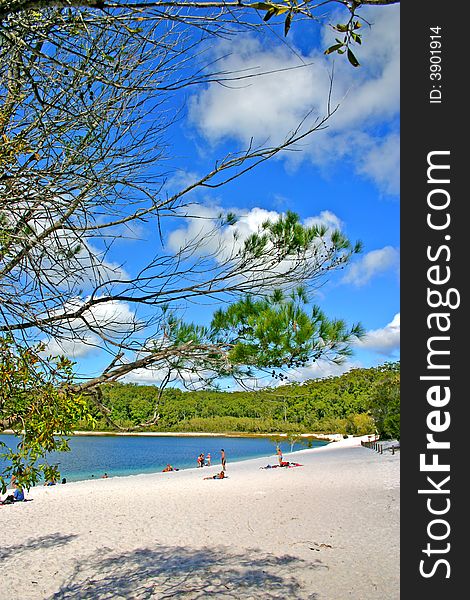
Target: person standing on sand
[
  {"x": 279, "y": 454},
  {"x": 208, "y": 459},
  {"x": 223, "y": 459}
]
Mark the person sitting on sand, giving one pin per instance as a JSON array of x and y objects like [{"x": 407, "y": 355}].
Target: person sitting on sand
[
  {"x": 220, "y": 475},
  {"x": 167, "y": 469},
  {"x": 17, "y": 496}
]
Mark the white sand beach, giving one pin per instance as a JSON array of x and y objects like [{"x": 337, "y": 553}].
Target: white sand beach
[{"x": 328, "y": 530}]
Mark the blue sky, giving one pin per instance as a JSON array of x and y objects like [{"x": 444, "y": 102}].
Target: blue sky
[{"x": 346, "y": 175}]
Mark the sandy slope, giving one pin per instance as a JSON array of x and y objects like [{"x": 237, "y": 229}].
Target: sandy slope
[{"x": 328, "y": 530}]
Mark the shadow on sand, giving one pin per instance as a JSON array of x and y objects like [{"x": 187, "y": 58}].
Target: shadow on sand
[
  {"x": 193, "y": 574},
  {"x": 46, "y": 541}
]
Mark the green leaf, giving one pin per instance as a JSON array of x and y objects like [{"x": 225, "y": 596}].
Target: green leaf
[
  {"x": 334, "y": 48},
  {"x": 352, "y": 59},
  {"x": 287, "y": 24},
  {"x": 261, "y": 6},
  {"x": 356, "y": 37},
  {"x": 342, "y": 28},
  {"x": 271, "y": 12}
]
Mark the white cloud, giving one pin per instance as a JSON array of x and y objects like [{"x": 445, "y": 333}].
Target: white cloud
[
  {"x": 184, "y": 379},
  {"x": 86, "y": 335},
  {"x": 63, "y": 257},
  {"x": 145, "y": 376},
  {"x": 327, "y": 218},
  {"x": 264, "y": 107},
  {"x": 379, "y": 161},
  {"x": 372, "y": 264},
  {"x": 268, "y": 107},
  {"x": 321, "y": 369},
  {"x": 180, "y": 180},
  {"x": 210, "y": 245},
  {"x": 228, "y": 240},
  {"x": 384, "y": 341},
  {"x": 78, "y": 348},
  {"x": 224, "y": 242},
  {"x": 90, "y": 266}
]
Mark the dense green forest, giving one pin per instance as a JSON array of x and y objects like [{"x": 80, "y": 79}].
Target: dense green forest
[{"x": 361, "y": 401}]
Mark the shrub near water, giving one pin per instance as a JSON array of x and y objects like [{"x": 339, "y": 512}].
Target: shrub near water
[{"x": 236, "y": 424}]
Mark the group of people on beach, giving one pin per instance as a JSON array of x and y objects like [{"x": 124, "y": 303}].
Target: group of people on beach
[
  {"x": 204, "y": 460},
  {"x": 223, "y": 461}
]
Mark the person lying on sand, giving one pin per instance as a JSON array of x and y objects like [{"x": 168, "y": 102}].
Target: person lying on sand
[
  {"x": 283, "y": 464},
  {"x": 167, "y": 469},
  {"x": 220, "y": 475}
]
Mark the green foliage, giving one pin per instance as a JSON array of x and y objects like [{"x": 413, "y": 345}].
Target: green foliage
[
  {"x": 275, "y": 10},
  {"x": 37, "y": 403},
  {"x": 384, "y": 403},
  {"x": 351, "y": 36},
  {"x": 277, "y": 332},
  {"x": 348, "y": 404}
]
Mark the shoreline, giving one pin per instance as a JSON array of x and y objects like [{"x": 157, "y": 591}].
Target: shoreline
[
  {"x": 320, "y": 436},
  {"x": 80, "y": 476},
  {"x": 343, "y": 444}
]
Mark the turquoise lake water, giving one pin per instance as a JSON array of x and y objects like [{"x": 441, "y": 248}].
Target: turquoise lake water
[{"x": 91, "y": 456}]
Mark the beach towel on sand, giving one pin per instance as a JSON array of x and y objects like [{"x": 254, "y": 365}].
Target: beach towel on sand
[{"x": 283, "y": 464}]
